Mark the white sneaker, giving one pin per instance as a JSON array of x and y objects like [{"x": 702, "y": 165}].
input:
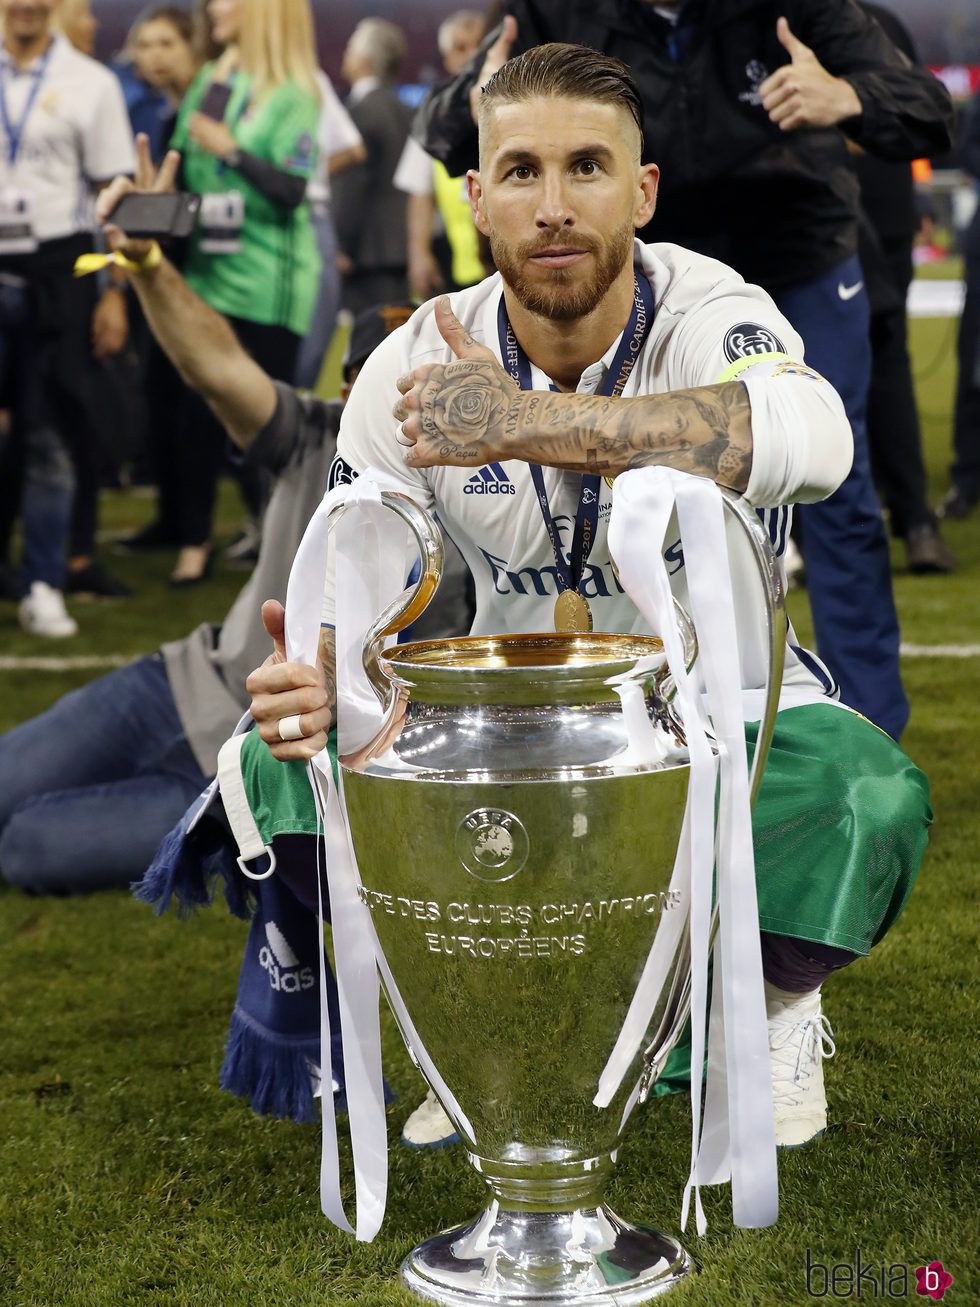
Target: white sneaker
[
  {"x": 429, "y": 1126},
  {"x": 800, "y": 1038},
  {"x": 43, "y": 612}
]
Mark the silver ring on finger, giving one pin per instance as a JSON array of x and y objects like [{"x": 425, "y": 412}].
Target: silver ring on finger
[{"x": 290, "y": 728}]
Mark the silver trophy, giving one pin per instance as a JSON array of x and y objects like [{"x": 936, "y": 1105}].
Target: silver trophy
[{"x": 517, "y": 866}]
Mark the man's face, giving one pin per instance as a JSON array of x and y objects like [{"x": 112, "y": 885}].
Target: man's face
[
  {"x": 560, "y": 193},
  {"x": 24, "y": 19},
  {"x": 461, "y": 47}
]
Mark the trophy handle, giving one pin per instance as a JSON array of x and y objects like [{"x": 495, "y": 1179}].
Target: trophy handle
[
  {"x": 679, "y": 1003},
  {"x": 412, "y": 602}
]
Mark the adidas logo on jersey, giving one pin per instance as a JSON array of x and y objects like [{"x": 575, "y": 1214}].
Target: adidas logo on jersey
[
  {"x": 278, "y": 959},
  {"x": 490, "y": 480}
]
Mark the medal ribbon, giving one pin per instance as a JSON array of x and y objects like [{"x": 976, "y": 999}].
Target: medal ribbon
[
  {"x": 15, "y": 131},
  {"x": 517, "y": 363}
]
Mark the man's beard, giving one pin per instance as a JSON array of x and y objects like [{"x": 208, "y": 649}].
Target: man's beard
[{"x": 560, "y": 299}]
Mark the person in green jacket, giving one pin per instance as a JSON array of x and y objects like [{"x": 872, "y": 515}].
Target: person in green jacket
[{"x": 247, "y": 134}]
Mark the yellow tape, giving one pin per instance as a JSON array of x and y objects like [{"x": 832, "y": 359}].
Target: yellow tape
[{"x": 86, "y": 263}]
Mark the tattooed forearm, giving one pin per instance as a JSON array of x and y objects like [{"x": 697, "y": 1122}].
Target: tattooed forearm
[
  {"x": 707, "y": 432},
  {"x": 327, "y": 658}
]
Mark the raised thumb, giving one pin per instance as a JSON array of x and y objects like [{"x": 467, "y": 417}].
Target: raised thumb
[
  {"x": 455, "y": 334},
  {"x": 274, "y": 621},
  {"x": 794, "y": 47},
  {"x": 499, "y": 52}
]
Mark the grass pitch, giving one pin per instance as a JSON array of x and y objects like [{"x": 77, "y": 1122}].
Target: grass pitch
[{"x": 127, "y": 1179}]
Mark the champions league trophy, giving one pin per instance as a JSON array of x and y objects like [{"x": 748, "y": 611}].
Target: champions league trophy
[{"x": 516, "y": 857}]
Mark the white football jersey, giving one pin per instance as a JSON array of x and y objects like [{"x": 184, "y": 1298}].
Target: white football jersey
[{"x": 706, "y": 320}]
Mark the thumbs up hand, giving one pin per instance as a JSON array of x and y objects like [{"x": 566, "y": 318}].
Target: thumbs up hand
[
  {"x": 456, "y": 414},
  {"x": 802, "y": 93}
]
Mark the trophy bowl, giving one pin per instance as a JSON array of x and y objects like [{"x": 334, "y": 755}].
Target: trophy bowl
[{"x": 516, "y": 852}]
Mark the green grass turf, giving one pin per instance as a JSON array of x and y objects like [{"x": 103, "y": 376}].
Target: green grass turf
[{"x": 127, "y": 1177}]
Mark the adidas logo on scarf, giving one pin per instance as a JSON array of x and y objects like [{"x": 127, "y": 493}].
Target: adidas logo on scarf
[{"x": 278, "y": 959}]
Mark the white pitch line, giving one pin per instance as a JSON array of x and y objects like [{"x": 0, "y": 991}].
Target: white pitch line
[
  {"x": 83, "y": 663},
  {"x": 105, "y": 662},
  {"x": 940, "y": 650}
]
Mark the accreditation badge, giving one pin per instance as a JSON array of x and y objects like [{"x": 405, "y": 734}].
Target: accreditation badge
[
  {"x": 220, "y": 223},
  {"x": 17, "y": 234}
]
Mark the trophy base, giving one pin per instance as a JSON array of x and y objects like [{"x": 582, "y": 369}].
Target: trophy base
[{"x": 584, "y": 1258}]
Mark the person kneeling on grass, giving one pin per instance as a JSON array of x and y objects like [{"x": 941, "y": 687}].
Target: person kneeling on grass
[
  {"x": 842, "y": 815},
  {"x": 89, "y": 788}
]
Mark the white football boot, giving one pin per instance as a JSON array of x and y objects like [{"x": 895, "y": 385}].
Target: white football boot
[
  {"x": 429, "y": 1126},
  {"x": 800, "y": 1038}
]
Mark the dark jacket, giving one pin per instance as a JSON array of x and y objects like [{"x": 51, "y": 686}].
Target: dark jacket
[
  {"x": 369, "y": 212},
  {"x": 780, "y": 208}
]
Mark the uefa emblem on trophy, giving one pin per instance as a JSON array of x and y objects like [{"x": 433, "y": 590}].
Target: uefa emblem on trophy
[{"x": 528, "y": 848}]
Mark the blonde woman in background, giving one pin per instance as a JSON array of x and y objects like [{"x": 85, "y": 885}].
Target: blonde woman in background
[{"x": 247, "y": 131}]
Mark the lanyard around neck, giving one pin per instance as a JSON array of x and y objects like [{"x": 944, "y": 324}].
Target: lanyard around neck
[
  {"x": 569, "y": 572},
  {"x": 15, "y": 131}
]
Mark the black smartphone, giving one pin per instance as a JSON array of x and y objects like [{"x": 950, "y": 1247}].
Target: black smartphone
[
  {"x": 215, "y": 101},
  {"x": 141, "y": 214}
]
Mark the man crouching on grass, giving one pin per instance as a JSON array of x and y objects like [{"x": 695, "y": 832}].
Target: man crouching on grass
[{"x": 586, "y": 355}]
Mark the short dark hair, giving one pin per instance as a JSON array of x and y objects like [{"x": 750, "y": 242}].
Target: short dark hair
[
  {"x": 179, "y": 19},
  {"x": 574, "y": 71}
]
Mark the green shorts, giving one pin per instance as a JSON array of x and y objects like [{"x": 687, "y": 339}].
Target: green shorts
[{"x": 840, "y": 823}]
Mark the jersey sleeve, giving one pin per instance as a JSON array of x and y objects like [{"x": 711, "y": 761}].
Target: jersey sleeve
[
  {"x": 107, "y": 137},
  {"x": 291, "y": 141},
  {"x": 802, "y": 445},
  {"x": 369, "y": 438},
  {"x": 368, "y": 430}
]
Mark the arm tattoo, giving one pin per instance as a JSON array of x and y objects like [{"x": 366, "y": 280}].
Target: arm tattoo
[
  {"x": 705, "y": 431},
  {"x": 328, "y": 664},
  {"x": 462, "y": 404}
]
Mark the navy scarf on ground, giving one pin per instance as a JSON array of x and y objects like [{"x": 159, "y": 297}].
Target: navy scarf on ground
[{"x": 273, "y": 1046}]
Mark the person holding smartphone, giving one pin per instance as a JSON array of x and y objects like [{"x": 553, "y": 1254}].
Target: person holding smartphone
[{"x": 247, "y": 134}]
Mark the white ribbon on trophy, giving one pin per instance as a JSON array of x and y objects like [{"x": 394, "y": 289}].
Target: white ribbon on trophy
[
  {"x": 369, "y": 544},
  {"x": 737, "y": 1140}
]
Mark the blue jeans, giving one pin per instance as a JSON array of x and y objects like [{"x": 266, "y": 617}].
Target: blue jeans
[
  {"x": 90, "y": 787},
  {"x": 847, "y": 561}
]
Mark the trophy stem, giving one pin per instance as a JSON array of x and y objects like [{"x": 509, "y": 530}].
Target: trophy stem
[
  {"x": 588, "y": 1257},
  {"x": 546, "y": 1239}
]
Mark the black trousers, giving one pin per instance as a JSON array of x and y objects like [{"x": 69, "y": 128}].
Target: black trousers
[
  {"x": 894, "y": 435},
  {"x": 51, "y": 380},
  {"x": 200, "y": 445},
  {"x": 966, "y": 422}
]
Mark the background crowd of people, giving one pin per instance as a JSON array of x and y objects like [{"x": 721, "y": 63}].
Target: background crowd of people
[
  {"x": 315, "y": 199},
  {"x": 301, "y": 211},
  {"x": 321, "y": 203}
]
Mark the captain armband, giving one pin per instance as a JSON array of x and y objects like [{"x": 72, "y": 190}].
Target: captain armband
[{"x": 769, "y": 365}]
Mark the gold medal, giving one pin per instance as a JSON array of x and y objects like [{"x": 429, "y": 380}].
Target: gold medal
[{"x": 572, "y": 613}]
